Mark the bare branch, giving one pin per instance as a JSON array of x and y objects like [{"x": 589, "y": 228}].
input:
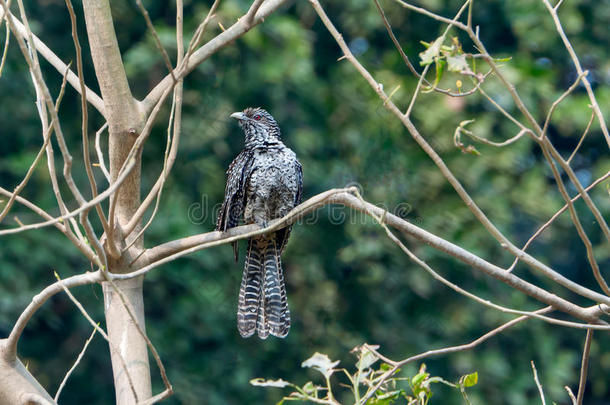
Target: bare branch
[
  {"x": 574, "y": 57},
  {"x": 57, "y": 63},
  {"x": 85, "y": 136},
  {"x": 169, "y": 251},
  {"x": 158, "y": 43},
  {"x": 552, "y": 219},
  {"x": 60, "y": 225},
  {"x": 460, "y": 290},
  {"x": 168, "y": 161},
  {"x": 226, "y": 37},
  {"x": 45, "y": 99},
  {"x": 478, "y": 213},
  {"x": 38, "y": 300},
  {"x": 109, "y": 191},
  {"x": 46, "y": 138},
  {"x": 6, "y": 43},
  {"x": 576, "y": 221},
  {"x": 253, "y": 9},
  {"x": 561, "y": 98},
  {"x": 196, "y": 40},
  {"x": 601, "y": 221}
]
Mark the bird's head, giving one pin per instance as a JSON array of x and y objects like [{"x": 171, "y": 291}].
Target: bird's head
[{"x": 259, "y": 126}]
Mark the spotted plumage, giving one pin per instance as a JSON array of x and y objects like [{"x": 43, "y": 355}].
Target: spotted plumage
[{"x": 264, "y": 182}]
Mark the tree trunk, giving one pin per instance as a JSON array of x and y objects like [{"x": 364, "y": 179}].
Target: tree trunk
[{"x": 124, "y": 124}]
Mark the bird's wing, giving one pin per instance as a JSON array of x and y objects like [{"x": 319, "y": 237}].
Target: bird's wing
[
  {"x": 297, "y": 199},
  {"x": 283, "y": 234},
  {"x": 232, "y": 207}
]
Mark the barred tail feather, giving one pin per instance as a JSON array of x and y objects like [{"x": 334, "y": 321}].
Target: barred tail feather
[
  {"x": 250, "y": 291},
  {"x": 276, "y": 314},
  {"x": 263, "y": 306}
]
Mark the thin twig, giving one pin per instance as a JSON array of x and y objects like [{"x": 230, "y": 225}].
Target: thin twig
[
  {"x": 78, "y": 359},
  {"x": 582, "y": 138},
  {"x": 571, "y": 395},
  {"x": 100, "y": 155},
  {"x": 46, "y": 138},
  {"x": 506, "y": 113},
  {"x": 579, "y": 70},
  {"x": 565, "y": 94},
  {"x": 540, "y": 391},
  {"x": 164, "y": 172},
  {"x": 423, "y": 75},
  {"x": 44, "y": 99},
  {"x": 584, "y": 367},
  {"x": 601, "y": 221},
  {"x": 552, "y": 219},
  {"x": 432, "y": 15},
  {"x": 101, "y": 197},
  {"x": 158, "y": 43},
  {"x": 507, "y": 142}
]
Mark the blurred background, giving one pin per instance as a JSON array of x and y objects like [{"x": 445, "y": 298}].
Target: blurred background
[{"x": 347, "y": 282}]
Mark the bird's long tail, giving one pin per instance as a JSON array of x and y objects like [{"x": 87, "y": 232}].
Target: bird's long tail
[{"x": 263, "y": 306}]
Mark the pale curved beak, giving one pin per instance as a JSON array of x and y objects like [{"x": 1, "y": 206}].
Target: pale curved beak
[{"x": 238, "y": 116}]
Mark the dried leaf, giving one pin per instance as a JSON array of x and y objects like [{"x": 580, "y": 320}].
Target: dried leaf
[
  {"x": 261, "y": 382},
  {"x": 322, "y": 363},
  {"x": 457, "y": 63},
  {"x": 427, "y": 56}
]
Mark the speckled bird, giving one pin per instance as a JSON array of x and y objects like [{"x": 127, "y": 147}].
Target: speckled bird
[{"x": 264, "y": 183}]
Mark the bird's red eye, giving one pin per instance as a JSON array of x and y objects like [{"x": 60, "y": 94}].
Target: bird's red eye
[{"x": 257, "y": 117}]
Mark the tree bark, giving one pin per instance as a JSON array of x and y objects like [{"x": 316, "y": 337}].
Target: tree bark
[
  {"x": 124, "y": 124},
  {"x": 17, "y": 385}
]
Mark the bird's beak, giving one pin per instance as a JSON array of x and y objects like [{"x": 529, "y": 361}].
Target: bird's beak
[{"x": 238, "y": 116}]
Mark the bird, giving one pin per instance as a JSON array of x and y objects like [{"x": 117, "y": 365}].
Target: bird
[{"x": 264, "y": 182}]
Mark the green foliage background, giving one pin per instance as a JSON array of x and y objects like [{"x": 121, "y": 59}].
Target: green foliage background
[{"x": 347, "y": 283}]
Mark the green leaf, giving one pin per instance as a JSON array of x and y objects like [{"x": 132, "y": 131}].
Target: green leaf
[
  {"x": 470, "y": 380},
  {"x": 457, "y": 63},
  {"x": 428, "y": 56},
  {"x": 419, "y": 378},
  {"x": 440, "y": 69},
  {"x": 309, "y": 388},
  {"x": 387, "y": 398}
]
